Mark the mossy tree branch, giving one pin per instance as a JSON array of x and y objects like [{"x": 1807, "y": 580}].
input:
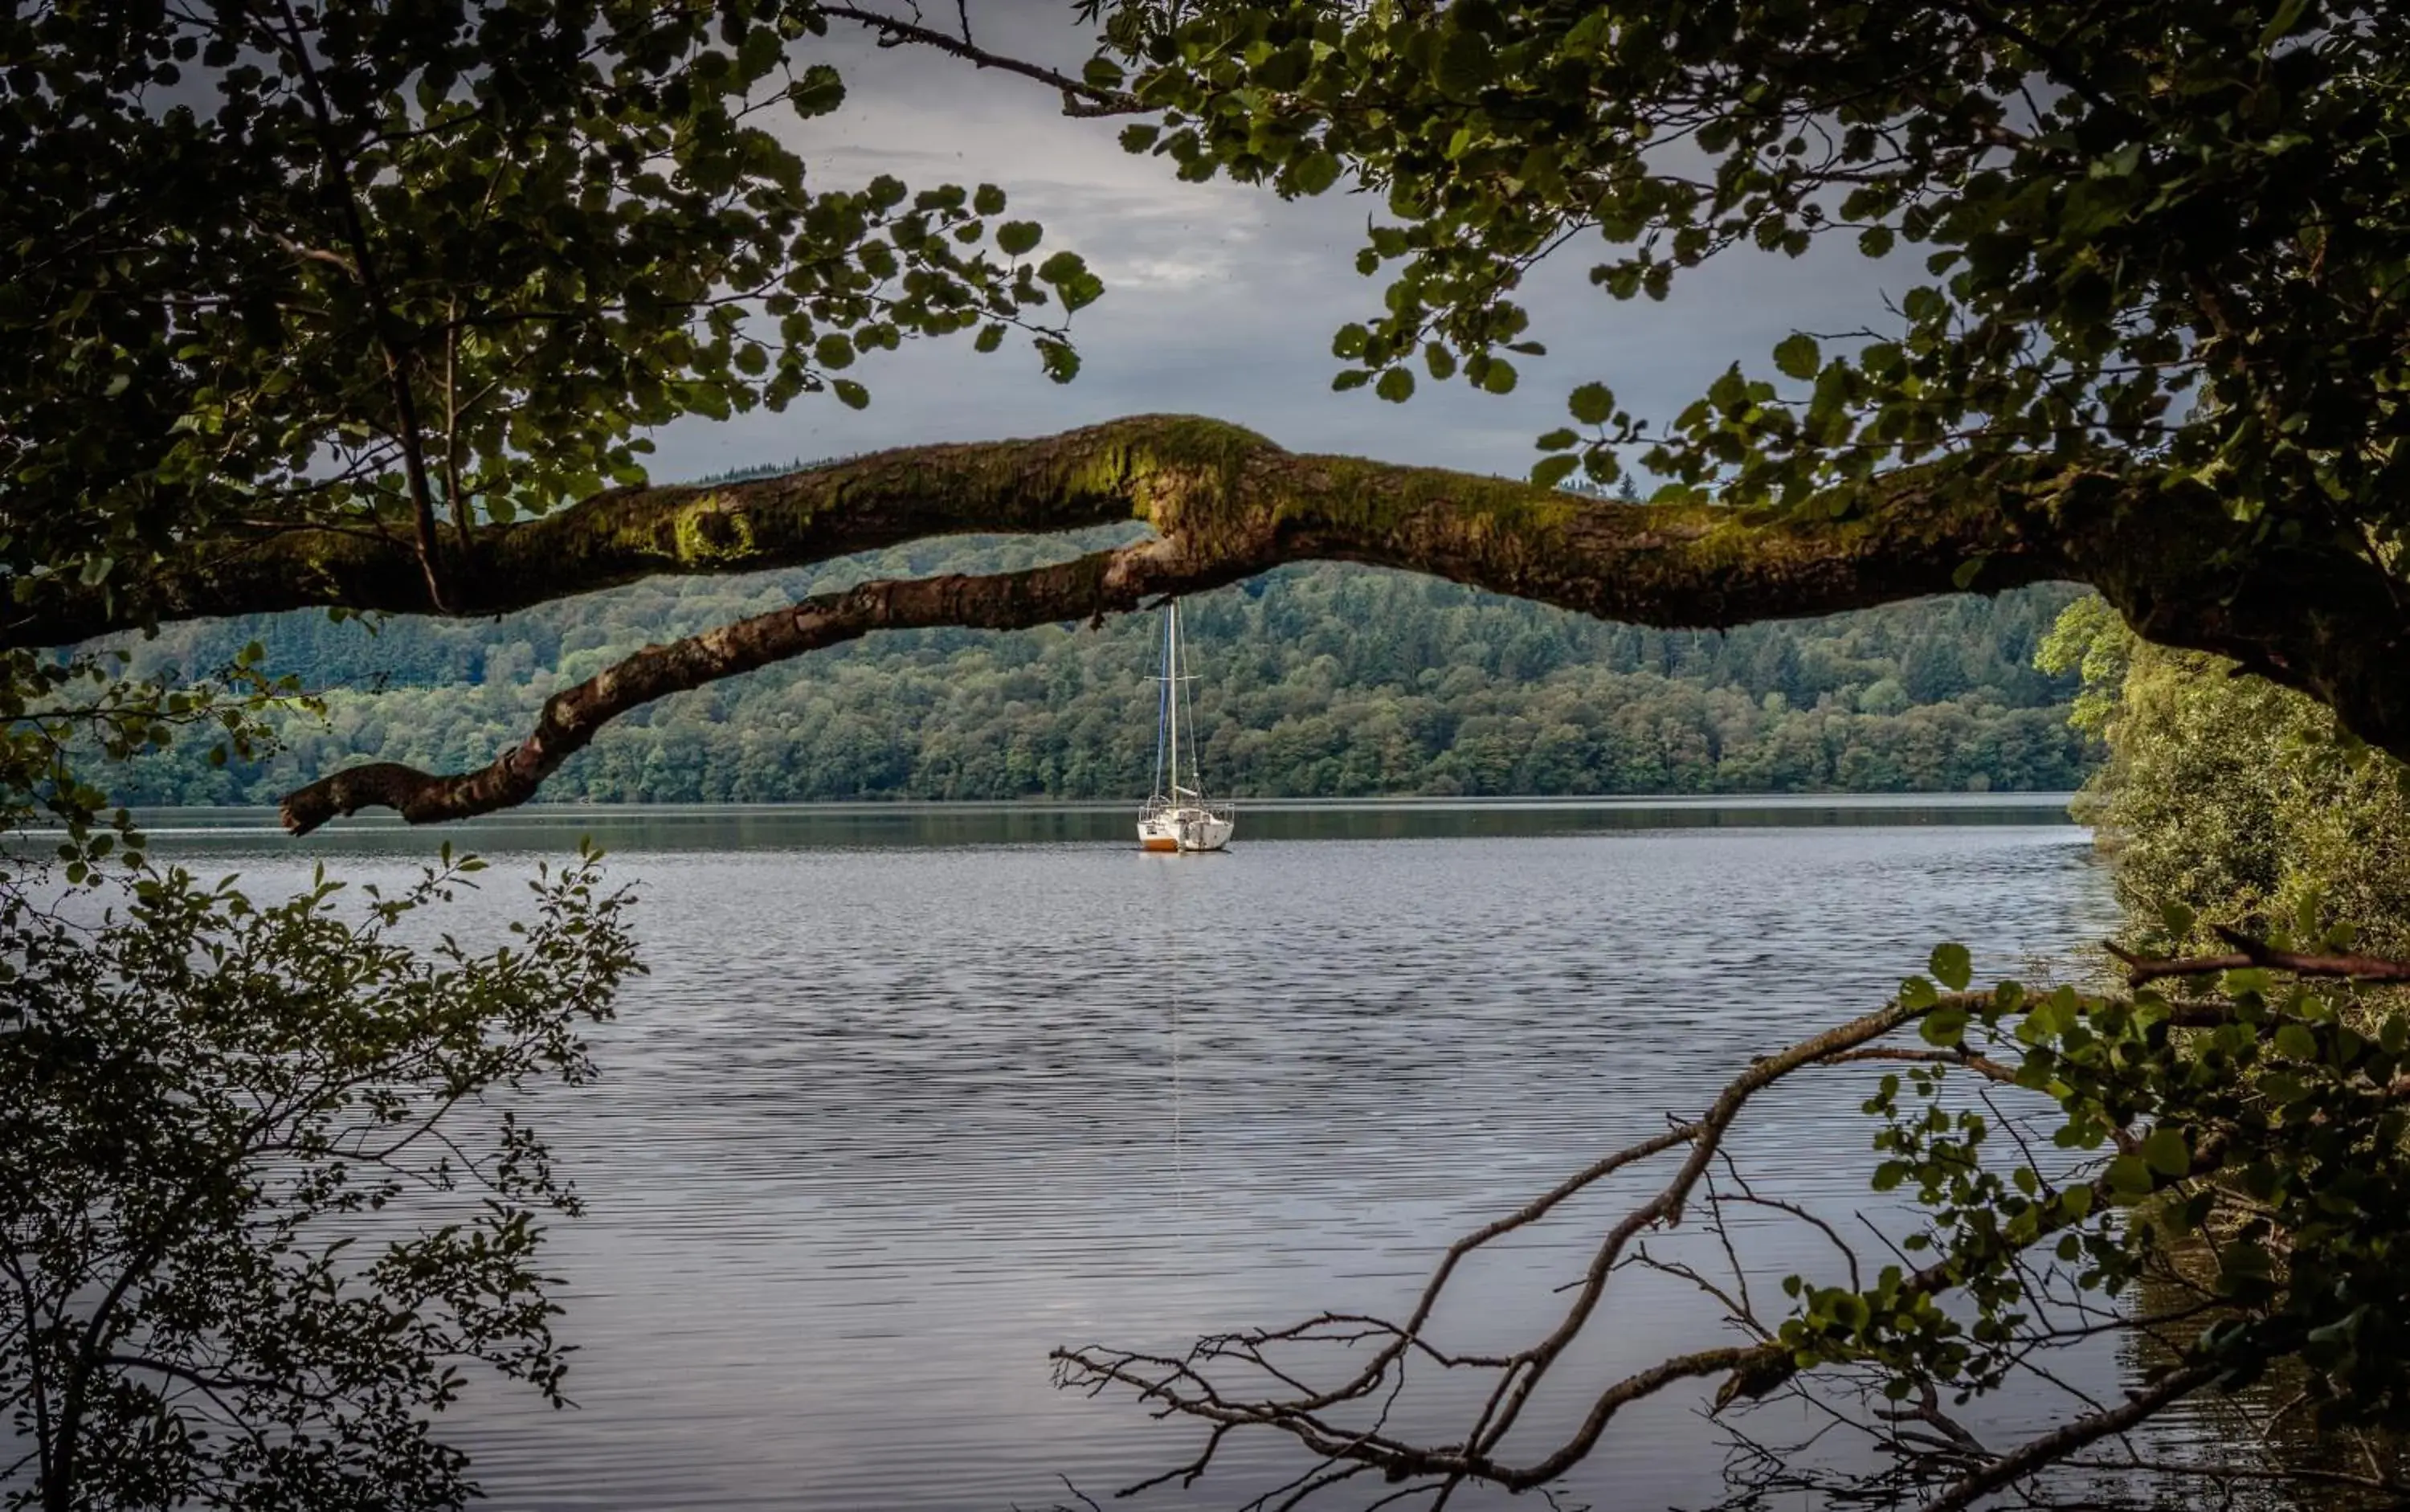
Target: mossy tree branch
[
  {"x": 1226, "y": 503},
  {"x": 1209, "y": 483}
]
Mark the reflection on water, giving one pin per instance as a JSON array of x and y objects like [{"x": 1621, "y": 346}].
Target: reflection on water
[{"x": 897, "y": 1112}]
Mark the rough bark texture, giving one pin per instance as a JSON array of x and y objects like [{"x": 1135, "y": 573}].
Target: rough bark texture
[
  {"x": 1222, "y": 487},
  {"x": 1226, "y": 504}
]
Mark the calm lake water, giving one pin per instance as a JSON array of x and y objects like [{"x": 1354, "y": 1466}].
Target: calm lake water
[{"x": 913, "y": 1096}]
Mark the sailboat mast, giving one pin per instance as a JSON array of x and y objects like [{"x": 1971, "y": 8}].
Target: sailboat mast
[
  {"x": 1163, "y": 707},
  {"x": 1172, "y": 683}
]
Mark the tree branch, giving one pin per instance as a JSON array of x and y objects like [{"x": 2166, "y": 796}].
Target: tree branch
[
  {"x": 363, "y": 267},
  {"x": 1177, "y": 1386},
  {"x": 2315, "y": 617},
  {"x": 1079, "y": 97},
  {"x": 1100, "y": 583},
  {"x": 1681, "y": 565},
  {"x": 2050, "y": 1448},
  {"x": 1185, "y": 1386},
  {"x": 2252, "y": 952}
]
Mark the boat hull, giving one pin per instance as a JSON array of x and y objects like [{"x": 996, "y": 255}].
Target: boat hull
[{"x": 1184, "y": 829}]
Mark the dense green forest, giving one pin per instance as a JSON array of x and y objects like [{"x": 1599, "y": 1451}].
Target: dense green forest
[{"x": 1313, "y": 680}]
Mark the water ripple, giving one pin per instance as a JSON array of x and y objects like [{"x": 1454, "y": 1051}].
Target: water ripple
[{"x": 888, "y": 1123}]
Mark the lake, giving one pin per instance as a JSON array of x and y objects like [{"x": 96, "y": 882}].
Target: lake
[{"x": 914, "y": 1095}]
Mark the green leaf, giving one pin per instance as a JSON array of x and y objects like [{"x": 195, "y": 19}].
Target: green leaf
[
  {"x": 987, "y": 199},
  {"x": 2295, "y": 1041},
  {"x": 850, "y": 394},
  {"x": 1068, "y": 272},
  {"x": 1550, "y": 471},
  {"x": 1944, "y": 1026},
  {"x": 1876, "y": 240},
  {"x": 2166, "y": 1152},
  {"x": 759, "y": 52},
  {"x": 2283, "y": 1088},
  {"x": 1953, "y": 965},
  {"x": 1016, "y": 238},
  {"x": 1592, "y": 404},
  {"x": 818, "y": 93},
  {"x": 1796, "y": 356},
  {"x": 2129, "y": 1176},
  {"x": 1557, "y": 441},
  {"x": 1397, "y": 386},
  {"x": 1314, "y": 173},
  {"x": 1060, "y": 359},
  {"x": 2255, "y": 980},
  {"x": 1465, "y": 64},
  {"x": 1916, "y": 994}
]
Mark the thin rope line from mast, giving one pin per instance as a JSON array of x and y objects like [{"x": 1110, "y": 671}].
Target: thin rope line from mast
[
  {"x": 1163, "y": 708},
  {"x": 1196, "y": 767}
]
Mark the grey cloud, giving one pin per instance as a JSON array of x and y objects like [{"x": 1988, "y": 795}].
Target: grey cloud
[{"x": 1221, "y": 300}]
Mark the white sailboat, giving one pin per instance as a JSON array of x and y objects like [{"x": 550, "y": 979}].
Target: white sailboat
[{"x": 1178, "y": 816}]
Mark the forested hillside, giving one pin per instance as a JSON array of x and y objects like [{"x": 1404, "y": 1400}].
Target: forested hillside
[{"x": 1313, "y": 680}]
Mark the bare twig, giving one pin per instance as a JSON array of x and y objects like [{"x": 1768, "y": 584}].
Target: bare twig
[{"x": 1079, "y": 97}]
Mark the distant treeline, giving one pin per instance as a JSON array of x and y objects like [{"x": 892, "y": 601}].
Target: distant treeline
[{"x": 1313, "y": 680}]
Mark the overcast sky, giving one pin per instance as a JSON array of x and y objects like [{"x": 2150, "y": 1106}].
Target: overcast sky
[{"x": 1220, "y": 300}]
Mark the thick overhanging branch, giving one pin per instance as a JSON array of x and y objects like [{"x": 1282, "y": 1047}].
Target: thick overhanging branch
[
  {"x": 1101, "y": 583},
  {"x": 1215, "y": 486},
  {"x": 1228, "y": 504}
]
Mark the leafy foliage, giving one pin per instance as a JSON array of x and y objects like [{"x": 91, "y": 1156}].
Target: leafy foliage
[
  {"x": 2177, "y": 229},
  {"x": 2230, "y": 799},
  {"x": 422, "y": 260},
  {"x": 246, "y": 1242},
  {"x": 262, "y": 1191},
  {"x": 2265, "y": 1116},
  {"x": 53, "y": 708}
]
